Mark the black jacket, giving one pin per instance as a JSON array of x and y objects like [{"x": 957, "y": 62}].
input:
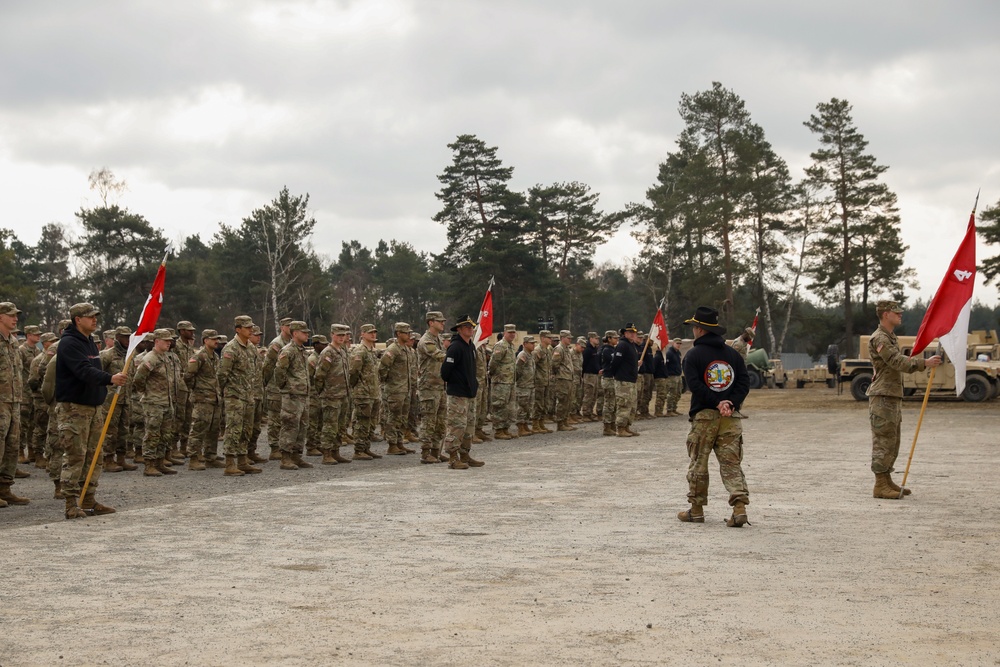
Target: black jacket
[
  {"x": 591, "y": 360},
  {"x": 648, "y": 364},
  {"x": 673, "y": 361},
  {"x": 715, "y": 372},
  {"x": 459, "y": 369},
  {"x": 659, "y": 365},
  {"x": 79, "y": 376},
  {"x": 606, "y": 353},
  {"x": 625, "y": 364}
]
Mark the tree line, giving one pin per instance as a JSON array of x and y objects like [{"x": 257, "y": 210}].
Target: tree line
[{"x": 724, "y": 224}]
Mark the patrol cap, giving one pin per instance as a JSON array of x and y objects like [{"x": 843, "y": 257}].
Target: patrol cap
[
  {"x": 162, "y": 334},
  {"x": 446, "y": 336},
  {"x": 148, "y": 338},
  {"x": 319, "y": 338},
  {"x": 510, "y": 327},
  {"x": 108, "y": 333},
  {"x": 285, "y": 321},
  {"x": 887, "y": 307},
  {"x": 242, "y": 321},
  {"x": 172, "y": 333},
  {"x": 298, "y": 325},
  {"x": 63, "y": 324},
  {"x": 223, "y": 338},
  {"x": 8, "y": 308},
  {"x": 434, "y": 315},
  {"x": 368, "y": 328},
  {"x": 47, "y": 336},
  {"x": 256, "y": 331},
  {"x": 611, "y": 334},
  {"x": 545, "y": 333},
  {"x": 32, "y": 329},
  {"x": 581, "y": 340},
  {"x": 78, "y": 310},
  {"x": 465, "y": 321},
  {"x": 528, "y": 339},
  {"x": 123, "y": 331},
  {"x": 592, "y": 334},
  {"x": 565, "y": 333},
  {"x": 94, "y": 337},
  {"x": 403, "y": 327},
  {"x": 210, "y": 333},
  {"x": 339, "y": 329}
]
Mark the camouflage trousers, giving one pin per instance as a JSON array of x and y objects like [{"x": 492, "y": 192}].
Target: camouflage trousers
[
  {"x": 315, "y": 421},
  {"x": 599, "y": 403},
  {"x": 561, "y": 390},
  {"x": 710, "y": 431},
  {"x": 576, "y": 396},
  {"x": 540, "y": 409},
  {"x": 644, "y": 393},
  {"x": 364, "y": 423},
  {"x": 610, "y": 402},
  {"x": 525, "y": 403},
  {"x": 345, "y": 416},
  {"x": 203, "y": 439},
  {"x": 885, "y": 415},
  {"x": 136, "y": 428},
  {"x": 433, "y": 412},
  {"x": 330, "y": 434},
  {"x": 625, "y": 400},
  {"x": 482, "y": 404},
  {"x": 273, "y": 399},
  {"x": 10, "y": 440},
  {"x": 413, "y": 424},
  {"x": 40, "y": 426},
  {"x": 239, "y": 425},
  {"x": 27, "y": 423},
  {"x": 461, "y": 424},
  {"x": 156, "y": 436},
  {"x": 397, "y": 416},
  {"x": 116, "y": 440},
  {"x": 258, "y": 418},
  {"x": 53, "y": 449},
  {"x": 294, "y": 423},
  {"x": 79, "y": 430},
  {"x": 660, "y": 387},
  {"x": 674, "y": 387},
  {"x": 184, "y": 415},
  {"x": 591, "y": 390},
  {"x": 504, "y": 407}
]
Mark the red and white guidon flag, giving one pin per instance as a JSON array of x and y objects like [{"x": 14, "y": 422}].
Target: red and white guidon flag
[
  {"x": 150, "y": 311},
  {"x": 484, "y": 325},
  {"x": 947, "y": 317},
  {"x": 658, "y": 330}
]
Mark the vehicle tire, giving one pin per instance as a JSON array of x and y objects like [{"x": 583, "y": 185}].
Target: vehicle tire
[
  {"x": 756, "y": 381},
  {"x": 859, "y": 385},
  {"x": 977, "y": 389},
  {"x": 799, "y": 384},
  {"x": 831, "y": 383}
]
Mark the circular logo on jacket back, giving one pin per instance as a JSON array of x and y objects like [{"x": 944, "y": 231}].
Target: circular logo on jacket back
[{"x": 719, "y": 376}]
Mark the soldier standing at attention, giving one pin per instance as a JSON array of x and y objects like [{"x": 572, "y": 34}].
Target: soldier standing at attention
[
  {"x": 524, "y": 385},
  {"x": 563, "y": 374},
  {"x": 273, "y": 396},
  {"x": 607, "y": 355},
  {"x": 10, "y": 405},
  {"x": 201, "y": 376},
  {"x": 433, "y": 403},
  {"x": 116, "y": 439},
  {"x": 257, "y": 354},
  {"x": 184, "y": 348},
  {"x": 318, "y": 343},
  {"x": 331, "y": 385},
  {"x": 482, "y": 402},
  {"x": 40, "y": 410},
  {"x": 26, "y": 354},
  {"x": 459, "y": 373},
  {"x": 81, "y": 386},
  {"x": 237, "y": 377},
  {"x": 154, "y": 378},
  {"x": 719, "y": 382},
  {"x": 674, "y": 382},
  {"x": 742, "y": 342},
  {"x": 576, "y": 392},
  {"x": 363, "y": 367},
  {"x": 501, "y": 372},
  {"x": 591, "y": 377},
  {"x": 395, "y": 375},
  {"x": 885, "y": 396},
  {"x": 291, "y": 377},
  {"x": 543, "y": 377},
  {"x": 625, "y": 370}
]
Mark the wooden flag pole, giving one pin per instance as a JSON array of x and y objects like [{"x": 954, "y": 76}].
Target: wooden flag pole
[
  {"x": 104, "y": 432},
  {"x": 927, "y": 395}
]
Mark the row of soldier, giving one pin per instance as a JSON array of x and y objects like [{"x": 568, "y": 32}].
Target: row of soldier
[{"x": 318, "y": 394}]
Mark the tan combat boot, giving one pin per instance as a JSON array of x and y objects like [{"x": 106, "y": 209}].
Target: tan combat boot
[
  {"x": 395, "y": 450},
  {"x": 126, "y": 466},
  {"x": 57, "y": 495},
  {"x": 110, "y": 465},
  {"x": 609, "y": 429},
  {"x": 195, "y": 463},
  {"x": 243, "y": 463},
  {"x": 536, "y": 426},
  {"x": 883, "y": 487},
  {"x": 631, "y": 430},
  {"x": 442, "y": 456},
  {"x": 23, "y": 455},
  {"x": 348, "y": 439},
  {"x": 337, "y": 457},
  {"x": 523, "y": 430},
  {"x": 91, "y": 506},
  {"x": 455, "y": 463},
  {"x": 427, "y": 456},
  {"x": 313, "y": 451},
  {"x": 564, "y": 426},
  {"x": 287, "y": 463},
  {"x": 275, "y": 454},
  {"x": 501, "y": 434},
  {"x": 694, "y": 515},
  {"x": 328, "y": 459},
  {"x": 369, "y": 452},
  {"x": 9, "y": 497},
  {"x": 152, "y": 470},
  {"x": 483, "y": 435},
  {"x": 254, "y": 457},
  {"x": 362, "y": 455},
  {"x": 466, "y": 458},
  {"x": 623, "y": 432},
  {"x": 896, "y": 487},
  {"x": 739, "y": 517},
  {"x": 162, "y": 466},
  {"x": 213, "y": 462},
  {"x": 20, "y": 474},
  {"x": 176, "y": 457},
  {"x": 231, "y": 469},
  {"x": 43, "y": 463},
  {"x": 72, "y": 511}
]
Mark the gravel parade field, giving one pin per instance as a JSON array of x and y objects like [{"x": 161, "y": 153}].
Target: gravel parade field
[{"x": 563, "y": 550}]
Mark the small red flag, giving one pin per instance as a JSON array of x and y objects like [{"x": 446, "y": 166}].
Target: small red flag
[
  {"x": 484, "y": 325},
  {"x": 151, "y": 311},
  {"x": 658, "y": 330}
]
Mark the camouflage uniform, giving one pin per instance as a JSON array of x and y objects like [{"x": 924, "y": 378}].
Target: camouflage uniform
[
  {"x": 53, "y": 448},
  {"x": 10, "y": 407},
  {"x": 257, "y": 392},
  {"x": 272, "y": 395},
  {"x": 481, "y": 403},
  {"x": 395, "y": 375},
  {"x": 26, "y": 354},
  {"x": 116, "y": 439},
  {"x": 885, "y": 396},
  {"x": 563, "y": 373},
  {"x": 156, "y": 379},
  {"x": 315, "y": 414},
  {"x": 363, "y": 373},
  {"x": 543, "y": 377},
  {"x": 202, "y": 380},
  {"x": 710, "y": 431},
  {"x": 741, "y": 346},
  {"x": 184, "y": 351},
  {"x": 291, "y": 378},
  {"x": 331, "y": 385},
  {"x": 524, "y": 383},
  {"x": 501, "y": 373},
  {"x": 176, "y": 414},
  {"x": 237, "y": 377},
  {"x": 433, "y": 403},
  {"x": 40, "y": 409}
]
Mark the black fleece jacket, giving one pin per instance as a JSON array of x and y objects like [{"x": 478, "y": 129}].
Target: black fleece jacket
[
  {"x": 79, "y": 376},
  {"x": 715, "y": 372}
]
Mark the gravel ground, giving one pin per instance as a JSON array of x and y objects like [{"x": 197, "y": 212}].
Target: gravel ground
[{"x": 563, "y": 550}]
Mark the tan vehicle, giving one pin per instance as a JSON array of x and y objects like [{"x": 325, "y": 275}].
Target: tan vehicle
[
  {"x": 982, "y": 379},
  {"x": 818, "y": 374}
]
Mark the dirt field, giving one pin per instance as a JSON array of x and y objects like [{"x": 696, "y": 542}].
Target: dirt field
[{"x": 563, "y": 550}]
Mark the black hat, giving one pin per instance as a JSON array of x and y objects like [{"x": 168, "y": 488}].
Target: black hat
[
  {"x": 708, "y": 319},
  {"x": 464, "y": 321},
  {"x": 628, "y": 327}
]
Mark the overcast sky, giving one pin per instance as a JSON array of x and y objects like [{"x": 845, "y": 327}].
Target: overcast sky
[{"x": 207, "y": 108}]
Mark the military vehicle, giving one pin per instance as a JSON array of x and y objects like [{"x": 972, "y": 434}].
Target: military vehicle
[
  {"x": 818, "y": 374},
  {"x": 764, "y": 371}
]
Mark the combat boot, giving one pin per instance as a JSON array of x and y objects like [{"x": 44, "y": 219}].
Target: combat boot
[
  {"x": 477, "y": 440},
  {"x": 299, "y": 461},
  {"x": 287, "y": 463},
  {"x": 395, "y": 450},
  {"x": 313, "y": 451},
  {"x": 631, "y": 430},
  {"x": 328, "y": 459},
  {"x": 151, "y": 469},
  {"x": 254, "y": 457},
  {"x": 883, "y": 487},
  {"x": 739, "y": 517},
  {"x": 442, "y": 456},
  {"x": 23, "y": 455},
  {"x": 362, "y": 455},
  {"x": 501, "y": 434},
  {"x": 427, "y": 456},
  {"x": 195, "y": 463},
  {"x": 483, "y": 435},
  {"x": 110, "y": 465},
  {"x": 369, "y": 452},
  {"x": 564, "y": 426},
  {"x": 536, "y": 427},
  {"x": 545, "y": 429},
  {"x": 165, "y": 469},
  {"x": 623, "y": 432},
  {"x": 91, "y": 506},
  {"x": 275, "y": 454},
  {"x": 337, "y": 457},
  {"x": 213, "y": 462},
  {"x": 694, "y": 515},
  {"x": 126, "y": 466},
  {"x": 20, "y": 474},
  {"x": 411, "y": 437},
  {"x": 244, "y": 465},
  {"x": 43, "y": 463},
  {"x": 57, "y": 495},
  {"x": 72, "y": 511},
  {"x": 348, "y": 439},
  {"x": 231, "y": 469},
  {"x": 609, "y": 429},
  {"x": 407, "y": 450},
  {"x": 466, "y": 458},
  {"x": 9, "y": 497},
  {"x": 523, "y": 430},
  {"x": 176, "y": 457},
  {"x": 455, "y": 463},
  {"x": 896, "y": 487}
]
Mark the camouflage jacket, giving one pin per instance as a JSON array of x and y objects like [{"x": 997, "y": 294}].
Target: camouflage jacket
[
  {"x": 113, "y": 361},
  {"x": 184, "y": 352},
  {"x": 363, "y": 367},
  {"x": 741, "y": 346},
  {"x": 331, "y": 377},
  {"x": 237, "y": 370},
  {"x": 543, "y": 365},
  {"x": 291, "y": 371},
  {"x": 156, "y": 379},
  {"x": 562, "y": 363},
  {"x": 37, "y": 372},
  {"x": 889, "y": 364},
  {"x": 27, "y": 354},
  {"x": 481, "y": 362},
  {"x": 201, "y": 376},
  {"x": 394, "y": 370},
  {"x": 274, "y": 348},
  {"x": 502, "y": 363},
  {"x": 10, "y": 370},
  {"x": 525, "y": 370},
  {"x": 49, "y": 379}
]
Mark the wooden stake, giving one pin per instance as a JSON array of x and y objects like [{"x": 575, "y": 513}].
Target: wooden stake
[{"x": 927, "y": 395}]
